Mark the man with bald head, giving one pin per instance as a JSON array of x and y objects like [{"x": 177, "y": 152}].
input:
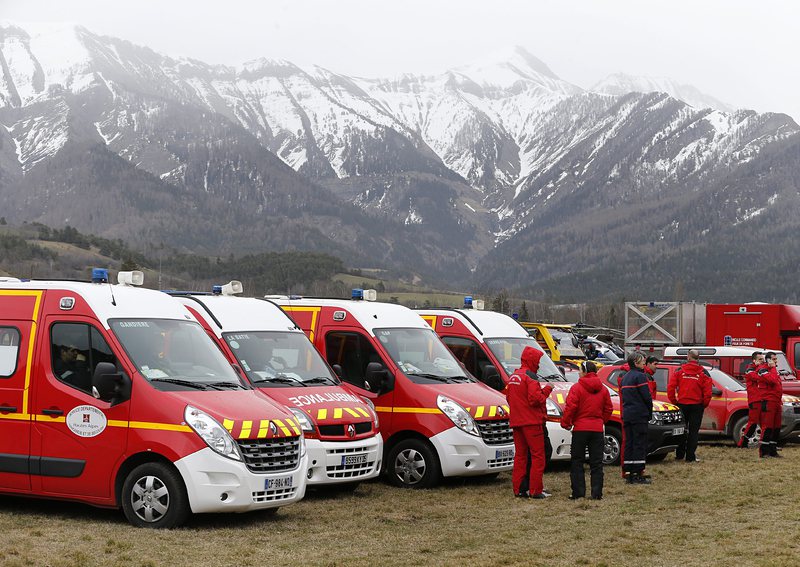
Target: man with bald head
[{"x": 690, "y": 389}]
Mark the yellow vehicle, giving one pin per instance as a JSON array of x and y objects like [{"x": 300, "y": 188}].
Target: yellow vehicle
[{"x": 557, "y": 341}]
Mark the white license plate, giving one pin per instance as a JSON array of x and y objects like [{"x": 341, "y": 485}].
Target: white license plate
[
  {"x": 354, "y": 460},
  {"x": 503, "y": 453},
  {"x": 678, "y": 431},
  {"x": 275, "y": 483}
]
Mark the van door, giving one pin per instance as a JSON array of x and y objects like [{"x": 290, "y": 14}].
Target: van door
[
  {"x": 16, "y": 342},
  {"x": 77, "y": 439},
  {"x": 793, "y": 353}
]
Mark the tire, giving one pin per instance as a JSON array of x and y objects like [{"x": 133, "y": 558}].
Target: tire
[
  {"x": 413, "y": 464},
  {"x": 738, "y": 429},
  {"x": 154, "y": 496},
  {"x": 612, "y": 446}
]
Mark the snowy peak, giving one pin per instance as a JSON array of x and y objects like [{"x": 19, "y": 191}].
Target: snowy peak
[{"x": 621, "y": 83}]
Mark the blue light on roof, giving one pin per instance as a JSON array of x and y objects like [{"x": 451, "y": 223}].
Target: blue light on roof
[
  {"x": 99, "y": 275},
  {"x": 468, "y": 302},
  {"x": 357, "y": 294},
  {"x": 216, "y": 290}
]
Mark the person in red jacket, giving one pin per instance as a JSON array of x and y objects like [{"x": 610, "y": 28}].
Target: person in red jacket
[
  {"x": 650, "y": 366},
  {"x": 771, "y": 389},
  {"x": 587, "y": 409},
  {"x": 690, "y": 389},
  {"x": 753, "y": 399},
  {"x": 527, "y": 404}
]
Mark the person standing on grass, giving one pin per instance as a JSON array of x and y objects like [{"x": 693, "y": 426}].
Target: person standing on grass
[
  {"x": 637, "y": 410},
  {"x": 771, "y": 405},
  {"x": 753, "y": 399},
  {"x": 690, "y": 389},
  {"x": 527, "y": 404},
  {"x": 587, "y": 409}
]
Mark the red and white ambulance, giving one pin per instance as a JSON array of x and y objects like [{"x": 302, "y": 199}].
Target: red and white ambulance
[
  {"x": 114, "y": 396},
  {"x": 436, "y": 420},
  {"x": 341, "y": 430}
]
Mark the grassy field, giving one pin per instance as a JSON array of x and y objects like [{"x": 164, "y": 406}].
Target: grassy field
[{"x": 729, "y": 509}]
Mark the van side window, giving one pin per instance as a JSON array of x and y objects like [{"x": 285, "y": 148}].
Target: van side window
[
  {"x": 352, "y": 352},
  {"x": 9, "y": 351},
  {"x": 76, "y": 349},
  {"x": 470, "y": 354}
]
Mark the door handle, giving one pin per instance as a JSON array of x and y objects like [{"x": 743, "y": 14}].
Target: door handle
[
  {"x": 8, "y": 409},
  {"x": 53, "y": 412}
]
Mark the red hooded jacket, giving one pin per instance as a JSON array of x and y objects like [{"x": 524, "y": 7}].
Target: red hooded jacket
[
  {"x": 527, "y": 400},
  {"x": 690, "y": 385},
  {"x": 588, "y": 405},
  {"x": 769, "y": 383},
  {"x": 751, "y": 382}
]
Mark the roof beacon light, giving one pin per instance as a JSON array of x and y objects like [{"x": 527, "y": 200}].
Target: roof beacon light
[
  {"x": 467, "y": 302},
  {"x": 478, "y": 303},
  {"x": 130, "y": 278},
  {"x": 99, "y": 275},
  {"x": 232, "y": 288},
  {"x": 370, "y": 295},
  {"x": 357, "y": 294},
  {"x": 216, "y": 289}
]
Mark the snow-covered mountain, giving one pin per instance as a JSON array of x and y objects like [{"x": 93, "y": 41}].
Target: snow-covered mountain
[
  {"x": 621, "y": 84},
  {"x": 454, "y": 171}
]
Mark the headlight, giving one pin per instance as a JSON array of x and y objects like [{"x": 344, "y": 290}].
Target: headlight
[
  {"x": 375, "y": 419},
  {"x": 303, "y": 419},
  {"x": 210, "y": 431},
  {"x": 552, "y": 409},
  {"x": 302, "y": 446},
  {"x": 657, "y": 419},
  {"x": 457, "y": 415}
]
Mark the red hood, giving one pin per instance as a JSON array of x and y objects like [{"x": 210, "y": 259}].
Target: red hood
[
  {"x": 324, "y": 404},
  {"x": 694, "y": 366},
  {"x": 530, "y": 359},
  {"x": 246, "y": 414},
  {"x": 591, "y": 382}
]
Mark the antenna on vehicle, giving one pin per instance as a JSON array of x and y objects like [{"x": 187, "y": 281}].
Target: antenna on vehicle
[{"x": 100, "y": 275}]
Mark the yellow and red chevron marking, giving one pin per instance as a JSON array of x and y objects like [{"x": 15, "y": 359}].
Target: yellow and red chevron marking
[
  {"x": 260, "y": 429},
  {"x": 479, "y": 412},
  {"x": 342, "y": 413},
  {"x": 664, "y": 406}
]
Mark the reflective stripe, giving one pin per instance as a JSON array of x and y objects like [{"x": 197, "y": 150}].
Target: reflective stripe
[
  {"x": 280, "y": 424},
  {"x": 363, "y": 412},
  {"x": 158, "y": 426},
  {"x": 560, "y": 398},
  {"x": 337, "y": 413},
  {"x": 228, "y": 424},
  {"x": 387, "y": 409},
  {"x": 247, "y": 426},
  {"x": 352, "y": 412},
  {"x": 479, "y": 412},
  {"x": 492, "y": 411},
  {"x": 634, "y": 462},
  {"x": 263, "y": 428},
  {"x": 322, "y": 413}
]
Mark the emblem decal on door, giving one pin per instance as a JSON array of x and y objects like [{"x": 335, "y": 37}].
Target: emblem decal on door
[{"x": 86, "y": 421}]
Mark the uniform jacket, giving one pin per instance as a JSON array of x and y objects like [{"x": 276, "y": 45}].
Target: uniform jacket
[
  {"x": 588, "y": 405},
  {"x": 751, "y": 382},
  {"x": 691, "y": 384},
  {"x": 637, "y": 403},
  {"x": 527, "y": 400},
  {"x": 651, "y": 382},
  {"x": 769, "y": 384}
]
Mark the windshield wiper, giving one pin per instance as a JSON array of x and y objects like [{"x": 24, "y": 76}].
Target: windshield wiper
[
  {"x": 280, "y": 379},
  {"x": 553, "y": 378},
  {"x": 431, "y": 376},
  {"x": 224, "y": 385},
  {"x": 196, "y": 385},
  {"x": 319, "y": 380}
]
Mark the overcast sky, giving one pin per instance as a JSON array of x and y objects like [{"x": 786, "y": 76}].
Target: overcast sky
[{"x": 741, "y": 52}]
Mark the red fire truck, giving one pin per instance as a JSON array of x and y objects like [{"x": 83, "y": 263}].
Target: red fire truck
[
  {"x": 436, "y": 420},
  {"x": 340, "y": 428},
  {"x": 114, "y": 396}
]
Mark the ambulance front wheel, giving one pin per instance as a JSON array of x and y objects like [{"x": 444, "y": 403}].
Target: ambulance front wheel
[
  {"x": 612, "y": 445},
  {"x": 738, "y": 430},
  {"x": 413, "y": 464},
  {"x": 153, "y": 496}
]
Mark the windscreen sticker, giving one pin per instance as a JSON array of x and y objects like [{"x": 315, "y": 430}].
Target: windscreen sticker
[
  {"x": 443, "y": 364},
  {"x": 245, "y": 366},
  {"x": 134, "y": 324},
  {"x": 234, "y": 345},
  {"x": 151, "y": 373},
  {"x": 239, "y": 338},
  {"x": 86, "y": 421},
  {"x": 408, "y": 368}
]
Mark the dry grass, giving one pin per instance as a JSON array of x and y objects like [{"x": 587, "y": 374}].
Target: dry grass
[{"x": 730, "y": 509}]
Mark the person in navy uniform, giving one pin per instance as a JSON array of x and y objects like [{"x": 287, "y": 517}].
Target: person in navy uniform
[{"x": 637, "y": 410}]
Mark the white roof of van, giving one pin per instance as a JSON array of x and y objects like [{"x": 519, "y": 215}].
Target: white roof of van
[
  {"x": 238, "y": 314},
  {"x": 370, "y": 314},
  {"x": 490, "y": 324},
  {"x": 131, "y": 302}
]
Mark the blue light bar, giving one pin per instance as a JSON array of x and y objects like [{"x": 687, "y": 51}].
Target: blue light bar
[
  {"x": 216, "y": 290},
  {"x": 357, "y": 294},
  {"x": 468, "y": 302},
  {"x": 99, "y": 275}
]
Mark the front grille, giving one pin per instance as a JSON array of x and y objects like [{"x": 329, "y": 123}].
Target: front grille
[
  {"x": 504, "y": 462},
  {"x": 355, "y": 470},
  {"x": 273, "y": 495},
  {"x": 495, "y": 431},
  {"x": 796, "y": 409},
  {"x": 339, "y": 430},
  {"x": 674, "y": 416},
  {"x": 270, "y": 455}
]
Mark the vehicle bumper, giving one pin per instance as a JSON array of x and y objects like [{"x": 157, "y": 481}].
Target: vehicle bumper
[
  {"x": 461, "y": 454},
  {"x": 217, "y": 484},
  {"x": 326, "y": 460},
  {"x": 662, "y": 439},
  {"x": 560, "y": 441},
  {"x": 790, "y": 421}
]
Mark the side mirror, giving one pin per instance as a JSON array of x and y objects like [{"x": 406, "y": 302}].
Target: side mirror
[
  {"x": 377, "y": 379},
  {"x": 715, "y": 391},
  {"x": 491, "y": 377},
  {"x": 109, "y": 384},
  {"x": 337, "y": 368}
]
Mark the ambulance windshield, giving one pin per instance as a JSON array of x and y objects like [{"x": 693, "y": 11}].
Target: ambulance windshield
[
  {"x": 509, "y": 352},
  {"x": 422, "y": 356},
  {"x": 175, "y": 355},
  {"x": 279, "y": 359}
]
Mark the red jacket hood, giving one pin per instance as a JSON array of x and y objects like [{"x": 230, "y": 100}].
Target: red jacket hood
[
  {"x": 591, "y": 382},
  {"x": 530, "y": 359},
  {"x": 693, "y": 366}
]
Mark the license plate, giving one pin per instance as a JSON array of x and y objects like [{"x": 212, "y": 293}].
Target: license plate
[
  {"x": 276, "y": 483},
  {"x": 354, "y": 460},
  {"x": 503, "y": 453},
  {"x": 677, "y": 431}
]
